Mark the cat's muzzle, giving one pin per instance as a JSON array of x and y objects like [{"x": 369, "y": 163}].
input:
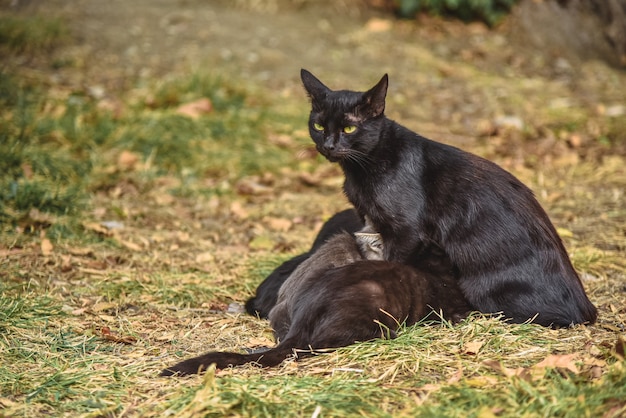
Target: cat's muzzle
[{"x": 332, "y": 154}]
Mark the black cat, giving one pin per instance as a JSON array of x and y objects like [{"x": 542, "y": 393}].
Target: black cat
[
  {"x": 423, "y": 196},
  {"x": 338, "y": 297},
  {"x": 265, "y": 298}
]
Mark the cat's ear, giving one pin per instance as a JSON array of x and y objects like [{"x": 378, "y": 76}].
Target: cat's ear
[
  {"x": 374, "y": 99},
  {"x": 370, "y": 245},
  {"x": 315, "y": 88}
]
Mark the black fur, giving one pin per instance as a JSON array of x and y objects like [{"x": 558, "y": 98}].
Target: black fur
[
  {"x": 265, "y": 298},
  {"x": 422, "y": 195},
  {"x": 360, "y": 301}
]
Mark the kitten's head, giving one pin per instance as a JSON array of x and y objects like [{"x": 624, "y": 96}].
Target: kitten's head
[
  {"x": 344, "y": 124},
  {"x": 370, "y": 245}
]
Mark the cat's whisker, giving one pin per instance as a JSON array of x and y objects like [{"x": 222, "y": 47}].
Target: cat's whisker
[
  {"x": 358, "y": 157},
  {"x": 306, "y": 152},
  {"x": 362, "y": 155}
]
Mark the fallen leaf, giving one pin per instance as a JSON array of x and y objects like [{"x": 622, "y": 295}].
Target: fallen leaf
[
  {"x": 91, "y": 271},
  {"x": 575, "y": 140},
  {"x": 261, "y": 342},
  {"x": 377, "y": 25},
  {"x": 108, "y": 335},
  {"x": 164, "y": 199},
  {"x": 456, "y": 377},
  {"x": 79, "y": 311},
  {"x": 620, "y": 347},
  {"x": 130, "y": 245},
  {"x": 46, "y": 246},
  {"x": 481, "y": 381},
  {"x": 205, "y": 257},
  {"x": 561, "y": 361},
  {"x": 196, "y": 108},
  {"x": 127, "y": 160},
  {"x": 472, "y": 347},
  {"x": 166, "y": 337},
  {"x": 279, "y": 224},
  {"x": 12, "y": 251},
  {"x": 237, "y": 209},
  {"x": 103, "y": 306},
  {"x": 309, "y": 179},
  {"x": 183, "y": 236},
  {"x": 66, "y": 263},
  {"x": 216, "y": 307},
  {"x": 98, "y": 228},
  {"x": 27, "y": 170},
  {"x": 595, "y": 372},
  {"x": 281, "y": 140},
  {"x": 250, "y": 186},
  {"x": 520, "y": 372},
  {"x": 107, "y": 318},
  {"x": 80, "y": 251},
  {"x": 497, "y": 366},
  {"x": 95, "y": 264}
]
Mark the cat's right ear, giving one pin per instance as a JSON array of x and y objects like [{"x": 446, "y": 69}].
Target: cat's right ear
[
  {"x": 375, "y": 98},
  {"x": 315, "y": 88}
]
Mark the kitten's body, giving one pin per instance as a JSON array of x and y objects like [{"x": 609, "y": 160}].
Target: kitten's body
[
  {"x": 336, "y": 298},
  {"x": 265, "y": 296},
  {"x": 423, "y": 196},
  {"x": 338, "y": 251}
]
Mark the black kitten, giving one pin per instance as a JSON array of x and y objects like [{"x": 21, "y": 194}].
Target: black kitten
[
  {"x": 423, "y": 196},
  {"x": 338, "y": 251},
  {"x": 265, "y": 298},
  {"x": 337, "y": 297}
]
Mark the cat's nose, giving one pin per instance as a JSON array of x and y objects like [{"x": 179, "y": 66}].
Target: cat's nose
[{"x": 329, "y": 146}]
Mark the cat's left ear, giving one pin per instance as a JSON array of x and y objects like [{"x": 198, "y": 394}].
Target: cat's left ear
[
  {"x": 316, "y": 89},
  {"x": 375, "y": 98}
]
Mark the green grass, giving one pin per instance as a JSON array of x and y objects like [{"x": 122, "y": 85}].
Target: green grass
[
  {"x": 59, "y": 151},
  {"x": 202, "y": 210},
  {"x": 424, "y": 372},
  {"x": 31, "y": 34},
  {"x": 286, "y": 396},
  {"x": 488, "y": 11}
]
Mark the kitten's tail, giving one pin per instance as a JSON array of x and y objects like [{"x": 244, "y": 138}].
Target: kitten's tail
[{"x": 222, "y": 360}]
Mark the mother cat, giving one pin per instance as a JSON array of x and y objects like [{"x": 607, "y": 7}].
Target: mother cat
[{"x": 424, "y": 196}]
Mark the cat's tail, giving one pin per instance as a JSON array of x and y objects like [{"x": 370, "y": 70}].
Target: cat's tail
[{"x": 222, "y": 360}]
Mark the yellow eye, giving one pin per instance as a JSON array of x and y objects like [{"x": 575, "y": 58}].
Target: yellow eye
[
  {"x": 318, "y": 127},
  {"x": 349, "y": 129}
]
